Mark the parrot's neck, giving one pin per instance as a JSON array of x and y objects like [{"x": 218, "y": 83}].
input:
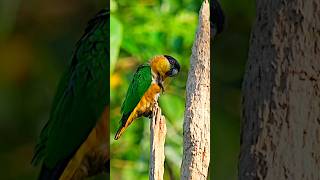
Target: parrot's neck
[{"x": 156, "y": 78}]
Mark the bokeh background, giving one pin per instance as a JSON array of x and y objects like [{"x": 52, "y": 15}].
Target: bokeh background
[
  {"x": 36, "y": 43},
  {"x": 229, "y": 55}
]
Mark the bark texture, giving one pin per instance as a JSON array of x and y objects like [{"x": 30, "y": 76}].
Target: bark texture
[
  {"x": 196, "y": 127},
  {"x": 281, "y": 97},
  {"x": 158, "y": 130}
]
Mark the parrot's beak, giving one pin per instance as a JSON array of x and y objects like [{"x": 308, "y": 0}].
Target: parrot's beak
[{"x": 174, "y": 72}]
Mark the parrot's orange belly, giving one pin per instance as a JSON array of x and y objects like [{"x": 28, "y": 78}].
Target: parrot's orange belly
[
  {"x": 146, "y": 103},
  {"x": 143, "y": 108},
  {"x": 93, "y": 155}
]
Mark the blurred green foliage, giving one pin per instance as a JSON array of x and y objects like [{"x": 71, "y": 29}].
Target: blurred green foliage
[{"x": 146, "y": 29}]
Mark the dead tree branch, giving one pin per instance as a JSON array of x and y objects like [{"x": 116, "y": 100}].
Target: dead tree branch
[
  {"x": 158, "y": 131},
  {"x": 196, "y": 128}
]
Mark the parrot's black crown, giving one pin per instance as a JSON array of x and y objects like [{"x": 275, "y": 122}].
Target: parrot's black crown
[{"x": 175, "y": 66}]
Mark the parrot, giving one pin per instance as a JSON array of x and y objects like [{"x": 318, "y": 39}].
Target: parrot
[
  {"x": 74, "y": 143},
  {"x": 145, "y": 88}
]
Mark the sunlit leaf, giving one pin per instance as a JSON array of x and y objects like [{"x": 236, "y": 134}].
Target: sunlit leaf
[
  {"x": 113, "y": 6},
  {"x": 115, "y": 41}
]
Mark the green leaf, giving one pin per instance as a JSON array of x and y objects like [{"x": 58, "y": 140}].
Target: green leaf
[
  {"x": 172, "y": 106},
  {"x": 113, "y": 6},
  {"x": 115, "y": 40}
]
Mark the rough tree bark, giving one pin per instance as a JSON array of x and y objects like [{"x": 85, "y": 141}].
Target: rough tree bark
[
  {"x": 158, "y": 130},
  {"x": 281, "y": 97},
  {"x": 196, "y": 127}
]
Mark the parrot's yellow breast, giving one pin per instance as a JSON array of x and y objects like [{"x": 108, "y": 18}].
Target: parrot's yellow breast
[
  {"x": 143, "y": 108},
  {"x": 146, "y": 103}
]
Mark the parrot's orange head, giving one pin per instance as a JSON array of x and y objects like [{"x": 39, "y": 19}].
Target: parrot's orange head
[{"x": 165, "y": 66}]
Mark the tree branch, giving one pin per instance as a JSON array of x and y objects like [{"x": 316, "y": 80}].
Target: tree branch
[
  {"x": 158, "y": 130},
  {"x": 196, "y": 127},
  {"x": 281, "y": 97}
]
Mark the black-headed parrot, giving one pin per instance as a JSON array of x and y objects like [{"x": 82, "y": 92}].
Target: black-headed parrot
[
  {"x": 74, "y": 143},
  {"x": 145, "y": 89}
]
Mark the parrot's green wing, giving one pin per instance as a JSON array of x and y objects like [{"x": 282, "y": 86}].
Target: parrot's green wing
[
  {"x": 81, "y": 97},
  {"x": 139, "y": 85}
]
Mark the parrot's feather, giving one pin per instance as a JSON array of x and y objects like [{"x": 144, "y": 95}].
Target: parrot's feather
[
  {"x": 81, "y": 97},
  {"x": 139, "y": 85},
  {"x": 145, "y": 88}
]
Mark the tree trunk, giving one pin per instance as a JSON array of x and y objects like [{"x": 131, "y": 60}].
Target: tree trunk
[
  {"x": 158, "y": 130},
  {"x": 281, "y": 97},
  {"x": 196, "y": 127}
]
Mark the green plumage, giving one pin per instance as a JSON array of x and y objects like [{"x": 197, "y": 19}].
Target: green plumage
[
  {"x": 139, "y": 85},
  {"x": 81, "y": 97}
]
